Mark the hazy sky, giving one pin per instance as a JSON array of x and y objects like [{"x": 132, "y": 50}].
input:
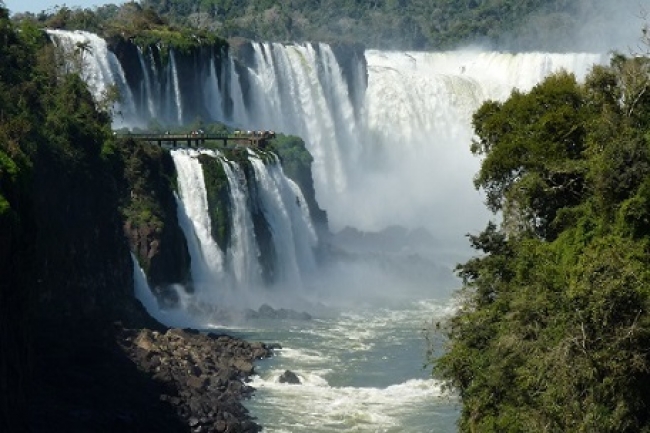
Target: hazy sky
[{"x": 15, "y": 6}]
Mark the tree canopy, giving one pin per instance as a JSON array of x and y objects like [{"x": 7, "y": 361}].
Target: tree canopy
[
  {"x": 553, "y": 329},
  {"x": 386, "y": 24}
]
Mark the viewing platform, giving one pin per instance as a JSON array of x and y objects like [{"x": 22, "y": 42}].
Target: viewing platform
[{"x": 255, "y": 139}]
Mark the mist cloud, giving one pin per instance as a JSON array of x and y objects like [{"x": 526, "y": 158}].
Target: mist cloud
[{"x": 589, "y": 26}]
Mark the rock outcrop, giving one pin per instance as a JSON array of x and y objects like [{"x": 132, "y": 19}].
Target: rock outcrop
[
  {"x": 289, "y": 377},
  {"x": 204, "y": 376},
  {"x": 150, "y": 214}
]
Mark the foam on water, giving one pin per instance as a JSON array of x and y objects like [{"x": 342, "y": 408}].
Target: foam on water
[
  {"x": 360, "y": 371},
  {"x": 324, "y": 408}
]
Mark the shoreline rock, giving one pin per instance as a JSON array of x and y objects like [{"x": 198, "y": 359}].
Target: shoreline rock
[
  {"x": 112, "y": 378},
  {"x": 204, "y": 375}
]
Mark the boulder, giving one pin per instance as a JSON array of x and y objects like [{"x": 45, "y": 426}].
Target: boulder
[{"x": 289, "y": 377}]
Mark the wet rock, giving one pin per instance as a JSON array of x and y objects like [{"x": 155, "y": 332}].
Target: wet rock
[
  {"x": 220, "y": 426},
  {"x": 244, "y": 366},
  {"x": 289, "y": 377},
  {"x": 268, "y": 312},
  {"x": 202, "y": 375}
]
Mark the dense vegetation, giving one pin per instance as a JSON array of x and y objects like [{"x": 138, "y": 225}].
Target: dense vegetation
[
  {"x": 64, "y": 259},
  {"x": 392, "y": 24},
  {"x": 553, "y": 330},
  {"x": 143, "y": 26},
  {"x": 396, "y": 24}
]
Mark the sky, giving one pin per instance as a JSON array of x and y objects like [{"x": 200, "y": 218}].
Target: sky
[{"x": 16, "y": 6}]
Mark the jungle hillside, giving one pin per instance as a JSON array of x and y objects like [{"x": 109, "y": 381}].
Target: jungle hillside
[{"x": 550, "y": 25}]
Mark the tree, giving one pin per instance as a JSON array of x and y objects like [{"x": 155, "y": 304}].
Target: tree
[
  {"x": 533, "y": 146},
  {"x": 553, "y": 329}
]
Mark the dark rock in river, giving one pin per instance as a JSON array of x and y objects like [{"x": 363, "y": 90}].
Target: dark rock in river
[
  {"x": 289, "y": 377},
  {"x": 268, "y": 312}
]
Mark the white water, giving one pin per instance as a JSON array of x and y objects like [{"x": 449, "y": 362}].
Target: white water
[
  {"x": 146, "y": 91},
  {"x": 235, "y": 278},
  {"x": 244, "y": 253},
  {"x": 285, "y": 209},
  {"x": 405, "y": 154},
  {"x": 360, "y": 371},
  {"x": 174, "y": 82},
  {"x": 207, "y": 267},
  {"x": 99, "y": 68},
  {"x": 295, "y": 97}
]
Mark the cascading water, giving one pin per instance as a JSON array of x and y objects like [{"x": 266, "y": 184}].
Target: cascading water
[
  {"x": 99, "y": 68},
  {"x": 207, "y": 263},
  {"x": 397, "y": 154},
  {"x": 244, "y": 252},
  {"x": 408, "y": 144},
  {"x": 397, "y": 140},
  {"x": 213, "y": 87},
  {"x": 147, "y": 90},
  {"x": 236, "y": 277},
  {"x": 175, "y": 87},
  {"x": 285, "y": 209},
  {"x": 300, "y": 90}
]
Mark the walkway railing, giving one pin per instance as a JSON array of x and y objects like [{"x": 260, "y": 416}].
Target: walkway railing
[{"x": 197, "y": 138}]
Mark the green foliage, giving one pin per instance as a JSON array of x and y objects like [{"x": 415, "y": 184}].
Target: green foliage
[
  {"x": 553, "y": 330},
  {"x": 143, "y": 26},
  {"x": 218, "y": 192},
  {"x": 57, "y": 209},
  {"x": 296, "y": 159},
  {"x": 533, "y": 148},
  {"x": 415, "y": 24},
  {"x": 141, "y": 209},
  {"x": 388, "y": 24}
]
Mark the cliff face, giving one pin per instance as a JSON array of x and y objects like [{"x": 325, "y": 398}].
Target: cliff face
[
  {"x": 16, "y": 269},
  {"x": 154, "y": 70},
  {"x": 147, "y": 180},
  {"x": 82, "y": 256}
]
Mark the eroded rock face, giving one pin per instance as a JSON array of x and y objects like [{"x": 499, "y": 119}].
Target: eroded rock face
[
  {"x": 150, "y": 215},
  {"x": 204, "y": 375}
]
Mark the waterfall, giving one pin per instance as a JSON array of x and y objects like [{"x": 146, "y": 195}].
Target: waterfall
[
  {"x": 285, "y": 209},
  {"x": 98, "y": 67},
  {"x": 173, "y": 70},
  {"x": 147, "y": 91},
  {"x": 243, "y": 252},
  {"x": 236, "y": 277},
  {"x": 207, "y": 257},
  {"x": 299, "y": 91},
  {"x": 389, "y": 133},
  {"x": 235, "y": 90},
  {"x": 401, "y": 148},
  {"x": 403, "y": 139},
  {"x": 211, "y": 84}
]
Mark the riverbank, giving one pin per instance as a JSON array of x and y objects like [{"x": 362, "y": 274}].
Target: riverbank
[{"x": 142, "y": 380}]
